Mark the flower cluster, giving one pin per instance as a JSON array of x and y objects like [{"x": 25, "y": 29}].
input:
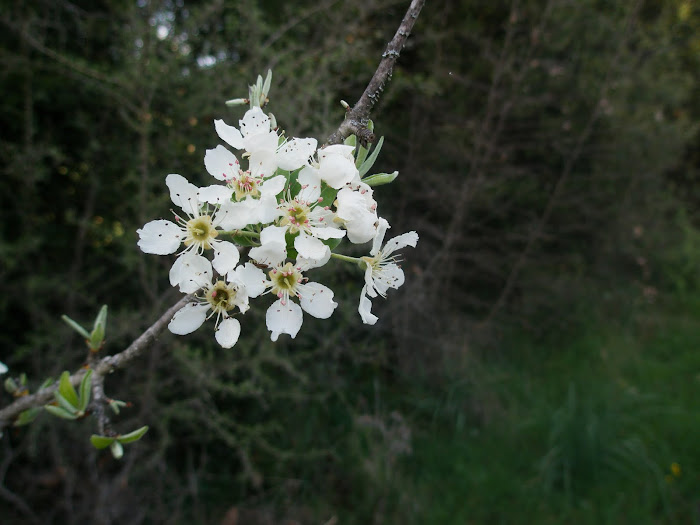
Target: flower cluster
[{"x": 289, "y": 208}]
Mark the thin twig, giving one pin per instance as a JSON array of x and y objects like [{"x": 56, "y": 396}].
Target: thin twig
[
  {"x": 105, "y": 366},
  {"x": 355, "y": 122}
]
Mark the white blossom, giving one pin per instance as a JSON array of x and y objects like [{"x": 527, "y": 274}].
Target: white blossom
[
  {"x": 286, "y": 281},
  {"x": 381, "y": 269},
  {"x": 356, "y": 210},
  {"x": 220, "y": 298},
  {"x": 198, "y": 231}
]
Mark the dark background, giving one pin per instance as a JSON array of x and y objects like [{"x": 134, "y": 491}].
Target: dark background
[{"x": 541, "y": 362}]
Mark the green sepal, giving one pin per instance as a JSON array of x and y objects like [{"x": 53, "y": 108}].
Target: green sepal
[
  {"x": 379, "y": 179},
  {"x": 85, "y": 391},
  {"x": 66, "y": 389},
  {"x": 367, "y": 164},
  {"x": 133, "y": 436},
  {"x": 60, "y": 412},
  {"x": 117, "y": 450},
  {"x": 243, "y": 240},
  {"x": 47, "y": 382},
  {"x": 350, "y": 141},
  {"x": 100, "y": 442},
  {"x": 75, "y": 326},
  {"x": 27, "y": 416}
]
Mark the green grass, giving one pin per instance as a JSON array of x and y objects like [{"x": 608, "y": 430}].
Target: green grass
[{"x": 582, "y": 429}]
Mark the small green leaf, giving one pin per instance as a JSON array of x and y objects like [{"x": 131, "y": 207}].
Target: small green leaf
[
  {"x": 268, "y": 82},
  {"x": 27, "y": 416},
  {"x": 63, "y": 403},
  {"x": 101, "y": 319},
  {"x": 116, "y": 405},
  {"x": 133, "y": 436},
  {"x": 350, "y": 141},
  {"x": 100, "y": 442},
  {"x": 331, "y": 243},
  {"x": 75, "y": 326},
  {"x": 85, "y": 390},
  {"x": 59, "y": 412},
  {"x": 117, "y": 450},
  {"x": 47, "y": 382},
  {"x": 66, "y": 389},
  {"x": 367, "y": 164},
  {"x": 244, "y": 240},
  {"x": 380, "y": 178},
  {"x": 11, "y": 386}
]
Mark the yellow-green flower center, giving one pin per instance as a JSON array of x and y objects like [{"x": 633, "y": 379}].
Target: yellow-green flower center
[
  {"x": 296, "y": 216},
  {"x": 285, "y": 280},
  {"x": 245, "y": 185},
  {"x": 222, "y": 297},
  {"x": 200, "y": 232}
]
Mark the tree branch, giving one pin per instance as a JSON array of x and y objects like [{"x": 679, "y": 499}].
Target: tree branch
[
  {"x": 355, "y": 122},
  {"x": 104, "y": 366}
]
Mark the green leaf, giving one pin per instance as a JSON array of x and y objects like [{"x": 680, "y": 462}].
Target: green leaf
[
  {"x": 47, "y": 382},
  {"x": 331, "y": 243},
  {"x": 101, "y": 319},
  {"x": 133, "y": 436},
  {"x": 350, "y": 141},
  {"x": 75, "y": 326},
  {"x": 27, "y": 416},
  {"x": 268, "y": 82},
  {"x": 117, "y": 450},
  {"x": 11, "y": 386},
  {"x": 367, "y": 164},
  {"x": 328, "y": 195},
  {"x": 380, "y": 178},
  {"x": 85, "y": 390},
  {"x": 65, "y": 404},
  {"x": 100, "y": 442},
  {"x": 66, "y": 389},
  {"x": 59, "y": 412}
]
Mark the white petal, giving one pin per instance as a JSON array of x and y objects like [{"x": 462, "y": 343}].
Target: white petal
[
  {"x": 221, "y": 163},
  {"x": 253, "y": 278},
  {"x": 3, "y": 368},
  {"x": 160, "y": 237},
  {"x": 228, "y": 332},
  {"x": 309, "y": 247},
  {"x": 310, "y": 185},
  {"x": 273, "y": 234},
  {"x": 273, "y": 186},
  {"x": 254, "y": 121},
  {"x": 183, "y": 194},
  {"x": 400, "y": 241},
  {"x": 266, "y": 210},
  {"x": 382, "y": 227},
  {"x": 365, "y": 308},
  {"x": 327, "y": 232},
  {"x": 216, "y": 194},
  {"x": 341, "y": 150},
  {"x": 226, "y": 256},
  {"x": 229, "y": 134},
  {"x": 390, "y": 276},
  {"x": 295, "y": 153},
  {"x": 190, "y": 272},
  {"x": 369, "y": 282},
  {"x": 262, "y": 162},
  {"x": 337, "y": 170},
  {"x": 236, "y": 215},
  {"x": 271, "y": 254},
  {"x": 317, "y": 300},
  {"x": 306, "y": 264},
  {"x": 283, "y": 319},
  {"x": 188, "y": 319}
]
